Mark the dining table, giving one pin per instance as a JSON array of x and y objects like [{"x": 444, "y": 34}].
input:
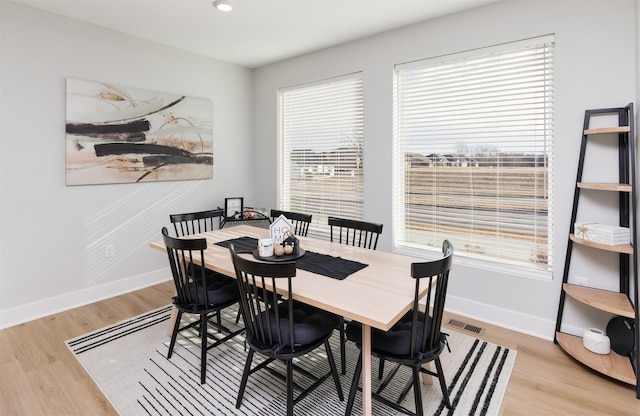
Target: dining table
[{"x": 377, "y": 294}]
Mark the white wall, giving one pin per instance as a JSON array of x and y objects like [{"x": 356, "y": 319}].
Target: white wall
[
  {"x": 595, "y": 68},
  {"x": 52, "y": 236}
]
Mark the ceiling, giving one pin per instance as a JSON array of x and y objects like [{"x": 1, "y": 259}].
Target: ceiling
[{"x": 256, "y": 32}]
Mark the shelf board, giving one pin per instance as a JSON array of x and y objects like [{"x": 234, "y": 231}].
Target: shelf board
[
  {"x": 607, "y": 130},
  {"x": 613, "y": 365},
  {"x": 605, "y": 300},
  {"x": 619, "y": 187},
  {"x": 622, "y": 248}
]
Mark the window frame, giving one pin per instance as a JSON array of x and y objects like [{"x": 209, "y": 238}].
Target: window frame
[
  {"x": 351, "y": 83},
  {"x": 400, "y": 243}
]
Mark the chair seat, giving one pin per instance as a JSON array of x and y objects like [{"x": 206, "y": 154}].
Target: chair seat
[
  {"x": 213, "y": 279},
  {"x": 219, "y": 292},
  {"x": 217, "y": 281},
  {"x": 310, "y": 324},
  {"x": 394, "y": 342},
  {"x": 210, "y": 275}
]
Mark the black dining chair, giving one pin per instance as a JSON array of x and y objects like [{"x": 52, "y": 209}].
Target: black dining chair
[
  {"x": 354, "y": 233},
  {"x": 416, "y": 339},
  {"x": 280, "y": 329},
  {"x": 194, "y": 295},
  {"x": 190, "y": 223},
  {"x": 299, "y": 221}
]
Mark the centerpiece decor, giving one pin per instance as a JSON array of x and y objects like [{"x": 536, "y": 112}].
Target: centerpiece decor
[
  {"x": 278, "y": 228},
  {"x": 290, "y": 243}
]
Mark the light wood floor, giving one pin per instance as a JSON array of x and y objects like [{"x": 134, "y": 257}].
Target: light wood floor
[{"x": 39, "y": 376}]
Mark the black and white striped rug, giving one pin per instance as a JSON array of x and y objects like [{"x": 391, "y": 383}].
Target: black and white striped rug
[{"x": 128, "y": 362}]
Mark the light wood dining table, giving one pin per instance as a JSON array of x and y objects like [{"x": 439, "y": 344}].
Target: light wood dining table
[{"x": 377, "y": 295}]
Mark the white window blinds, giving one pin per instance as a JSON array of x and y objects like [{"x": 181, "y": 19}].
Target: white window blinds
[
  {"x": 473, "y": 154},
  {"x": 320, "y": 149}
]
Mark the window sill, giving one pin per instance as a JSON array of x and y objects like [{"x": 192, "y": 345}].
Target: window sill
[{"x": 491, "y": 266}]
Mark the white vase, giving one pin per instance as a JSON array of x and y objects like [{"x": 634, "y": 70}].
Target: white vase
[{"x": 596, "y": 341}]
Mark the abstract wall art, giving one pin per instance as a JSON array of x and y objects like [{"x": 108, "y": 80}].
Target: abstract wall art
[{"x": 117, "y": 134}]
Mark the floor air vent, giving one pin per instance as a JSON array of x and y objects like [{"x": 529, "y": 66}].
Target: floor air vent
[{"x": 467, "y": 327}]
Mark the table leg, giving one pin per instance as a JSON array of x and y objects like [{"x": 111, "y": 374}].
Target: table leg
[
  {"x": 426, "y": 378},
  {"x": 366, "y": 370}
]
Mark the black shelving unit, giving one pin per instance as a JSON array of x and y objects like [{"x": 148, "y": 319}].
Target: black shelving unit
[{"x": 624, "y": 302}]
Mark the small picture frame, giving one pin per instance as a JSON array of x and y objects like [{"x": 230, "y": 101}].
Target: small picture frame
[{"x": 233, "y": 207}]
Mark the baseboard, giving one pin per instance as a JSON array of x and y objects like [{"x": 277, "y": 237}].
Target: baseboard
[
  {"x": 514, "y": 321},
  {"x": 527, "y": 324},
  {"x": 45, "y": 307}
]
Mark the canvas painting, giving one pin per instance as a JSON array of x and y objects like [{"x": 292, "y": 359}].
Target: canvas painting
[{"x": 117, "y": 134}]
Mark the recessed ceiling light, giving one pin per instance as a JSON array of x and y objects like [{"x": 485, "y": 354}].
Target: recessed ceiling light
[{"x": 223, "y": 5}]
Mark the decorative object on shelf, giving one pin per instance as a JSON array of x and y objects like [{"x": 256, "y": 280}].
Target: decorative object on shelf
[
  {"x": 621, "y": 332},
  {"x": 602, "y": 233},
  {"x": 233, "y": 207},
  {"x": 596, "y": 341},
  {"x": 279, "y": 227},
  {"x": 582, "y": 230}
]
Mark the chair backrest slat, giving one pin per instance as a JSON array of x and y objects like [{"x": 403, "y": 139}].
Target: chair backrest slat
[
  {"x": 299, "y": 221},
  {"x": 189, "y": 280},
  {"x": 196, "y": 222},
  {"x": 355, "y": 233},
  {"x": 439, "y": 270}
]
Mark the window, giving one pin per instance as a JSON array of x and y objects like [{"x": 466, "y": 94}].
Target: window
[
  {"x": 320, "y": 140},
  {"x": 473, "y": 154}
]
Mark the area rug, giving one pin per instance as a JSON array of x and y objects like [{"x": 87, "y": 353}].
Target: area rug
[{"x": 128, "y": 362}]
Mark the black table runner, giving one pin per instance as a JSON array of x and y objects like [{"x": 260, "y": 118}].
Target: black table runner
[{"x": 323, "y": 264}]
